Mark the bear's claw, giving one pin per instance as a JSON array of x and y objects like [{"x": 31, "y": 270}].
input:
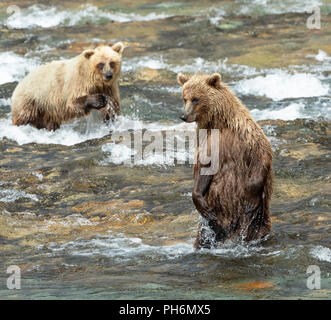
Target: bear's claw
[{"x": 212, "y": 216}]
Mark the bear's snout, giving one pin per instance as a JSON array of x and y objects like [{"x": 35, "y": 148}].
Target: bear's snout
[
  {"x": 190, "y": 117},
  {"x": 183, "y": 117},
  {"x": 108, "y": 76}
]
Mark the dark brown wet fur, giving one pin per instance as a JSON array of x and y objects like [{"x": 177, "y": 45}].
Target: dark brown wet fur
[{"x": 235, "y": 200}]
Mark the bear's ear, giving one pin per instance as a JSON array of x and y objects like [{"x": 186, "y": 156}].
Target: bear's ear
[
  {"x": 214, "y": 80},
  {"x": 118, "y": 47},
  {"x": 88, "y": 53},
  {"x": 182, "y": 78}
]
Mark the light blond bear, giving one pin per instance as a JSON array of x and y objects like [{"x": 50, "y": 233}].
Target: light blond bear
[{"x": 60, "y": 91}]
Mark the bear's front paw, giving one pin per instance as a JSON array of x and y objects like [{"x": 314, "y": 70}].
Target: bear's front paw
[
  {"x": 96, "y": 101},
  {"x": 212, "y": 216}
]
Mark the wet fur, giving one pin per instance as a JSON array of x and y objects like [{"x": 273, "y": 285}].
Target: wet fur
[
  {"x": 235, "y": 200},
  {"x": 49, "y": 95}
]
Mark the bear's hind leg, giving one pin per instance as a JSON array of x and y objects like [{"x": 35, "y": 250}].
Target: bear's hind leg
[
  {"x": 33, "y": 116},
  {"x": 28, "y": 113}
]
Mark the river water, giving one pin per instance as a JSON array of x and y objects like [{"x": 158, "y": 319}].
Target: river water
[{"x": 81, "y": 221}]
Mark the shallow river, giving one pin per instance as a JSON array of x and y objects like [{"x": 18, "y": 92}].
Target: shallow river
[{"x": 81, "y": 221}]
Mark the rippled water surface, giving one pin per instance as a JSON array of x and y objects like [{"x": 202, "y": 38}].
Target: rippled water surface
[{"x": 81, "y": 221}]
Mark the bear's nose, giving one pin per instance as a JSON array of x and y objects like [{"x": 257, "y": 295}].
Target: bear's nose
[
  {"x": 183, "y": 117},
  {"x": 108, "y": 76}
]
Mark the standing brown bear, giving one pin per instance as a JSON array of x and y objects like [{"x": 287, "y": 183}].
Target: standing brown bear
[
  {"x": 235, "y": 198},
  {"x": 63, "y": 90}
]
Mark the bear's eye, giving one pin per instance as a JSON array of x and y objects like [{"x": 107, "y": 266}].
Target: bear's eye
[
  {"x": 195, "y": 100},
  {"x": 112, "y": 64},
  {"x": 100, "y": 65}
]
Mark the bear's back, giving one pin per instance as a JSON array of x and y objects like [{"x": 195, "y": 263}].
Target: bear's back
[{"x": 42, "y": 84}]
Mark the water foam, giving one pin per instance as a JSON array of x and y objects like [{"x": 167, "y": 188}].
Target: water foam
[
  {"x": 67, "y": 135},
  {"x": 122, "y": 248},
  {"x": 122, "y": 154},
  {"x": 144, "y": 62},
  {"x": 14, "y": 67},
  {"x": 291, "y": 112},
  {"x": 43, "y": 16},
  {"x": 11, "y": 195},
  {"x": 117, "y": 153},
  {"x": 321, "y": 253},
  {"x": 154, "y": 153},
  {"x": 5, "y": 102},
  {"x": 256, "y": 7},
  {"x": 206, "y": 66},
  {"x": 321, "y": 56},
  {"x": 281, "y": 85},
  {"x": 233, "y": 250},
  {"x": 82, "y": 130},
  {"x": 46, "y": 17},
  {"x": 73, "y": 220},
  {"x": 191, "y": 66}
]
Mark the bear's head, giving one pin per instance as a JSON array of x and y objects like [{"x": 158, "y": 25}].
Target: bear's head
[
  {"x": 105, "y": 62},
  {"x": 200, "y": 94}
]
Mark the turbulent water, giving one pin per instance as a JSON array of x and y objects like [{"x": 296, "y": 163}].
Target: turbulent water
[{"x": 83, "y": 220}]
